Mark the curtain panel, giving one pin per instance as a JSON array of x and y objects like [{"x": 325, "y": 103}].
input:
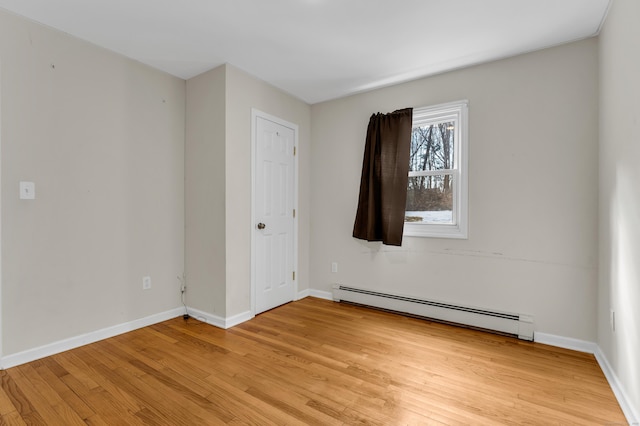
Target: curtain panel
[{"x": 385, "y": 171}]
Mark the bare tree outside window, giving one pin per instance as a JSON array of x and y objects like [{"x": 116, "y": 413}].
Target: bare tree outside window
[{"x": 429, "y": 192}]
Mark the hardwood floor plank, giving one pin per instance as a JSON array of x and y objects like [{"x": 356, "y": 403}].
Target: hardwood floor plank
[
  {"x": 96, "y": 420},
  {"x": 105, "y": 397},
  {"x": 65, "y": 393},
  {"x": 234, "y": 394},
  {"x": 310, "y": 362},
  {"x": 6, "y": 406},
  {"x": 76, "y": 367},
  {"x": 11, "y": 392},
  {"x": 43, "y": 399},
  {"x": 12, "y": 419},
  {"x": 109, "y": 409},
  {"x": 284, "y": 402}
]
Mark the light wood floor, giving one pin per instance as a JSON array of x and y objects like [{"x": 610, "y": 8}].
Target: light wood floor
[{"x": 310, "y": 362}]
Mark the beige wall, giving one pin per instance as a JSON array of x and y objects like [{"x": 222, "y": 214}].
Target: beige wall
[
  {"x": 243, "y": 93},
  {"x": 218, "y": 186},
  {"x": 620, "y": 195},
  {"x": 102, "y": 137},
  {"x": 205, "y": 230},
  {"x": 532, "y": 244}
]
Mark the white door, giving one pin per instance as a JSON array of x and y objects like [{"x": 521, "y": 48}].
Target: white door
[{"x": 273, "y": 200}]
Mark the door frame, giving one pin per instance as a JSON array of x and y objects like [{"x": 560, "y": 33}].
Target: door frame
[{"x": 255, "y": 114}]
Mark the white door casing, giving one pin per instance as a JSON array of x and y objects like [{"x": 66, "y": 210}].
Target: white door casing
[{"x": 274, "y": 236}]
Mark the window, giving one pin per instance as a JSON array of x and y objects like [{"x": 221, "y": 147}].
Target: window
[{"x": 437, "y": 188}]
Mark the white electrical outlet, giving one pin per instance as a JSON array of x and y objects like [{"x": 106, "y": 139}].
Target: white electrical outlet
[
  {"x": 334, "y": 267},
  {"x": 146, "y": 283}
]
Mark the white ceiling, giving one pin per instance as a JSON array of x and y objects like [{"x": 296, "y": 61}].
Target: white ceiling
[{"x": 319, "y": 49}]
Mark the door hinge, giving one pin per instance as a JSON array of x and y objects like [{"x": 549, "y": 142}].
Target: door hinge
[
  {"x": 294, "y": 275},
  {"x": 294, "y": 213},
  {"x": 294, "y": 150}
]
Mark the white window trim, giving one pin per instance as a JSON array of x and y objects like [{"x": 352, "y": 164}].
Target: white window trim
[{"x": 458, "y": 111}]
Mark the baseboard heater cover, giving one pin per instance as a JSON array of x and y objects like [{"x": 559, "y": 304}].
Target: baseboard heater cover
[{"x": 519, "y": 325}]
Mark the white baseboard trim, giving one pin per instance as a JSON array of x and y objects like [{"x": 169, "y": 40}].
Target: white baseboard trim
[
  {"x": 321, "y": 294},
  {"x": 565, "y": 342},
  {"x": 203, "y": 316},
  {"x": 315, "y": 293},
  {"x": 302, "y": 294},
  {"x": 29, "y": 355},
  {"x": 219, "y": 321},
  {"x": 238, "y": 319},
  {"x": 633, "y": 418}
]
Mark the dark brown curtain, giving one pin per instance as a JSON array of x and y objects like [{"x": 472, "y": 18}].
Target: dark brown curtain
[{"x": 383, "y": 186}]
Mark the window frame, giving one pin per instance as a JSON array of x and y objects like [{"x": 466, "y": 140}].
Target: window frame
[{"x": 458, "y": 112}]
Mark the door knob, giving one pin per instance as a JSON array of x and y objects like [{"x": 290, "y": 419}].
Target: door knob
[{"x": 261, "y": 225}]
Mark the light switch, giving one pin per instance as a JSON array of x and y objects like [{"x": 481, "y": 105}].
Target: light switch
[{"x": 27, "y": 191}]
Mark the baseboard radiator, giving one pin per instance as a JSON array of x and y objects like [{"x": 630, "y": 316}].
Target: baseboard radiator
[{"x": 516, "y": 325}]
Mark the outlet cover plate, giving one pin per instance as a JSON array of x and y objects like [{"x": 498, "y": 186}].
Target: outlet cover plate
[{"x": 27, "y": 191}]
